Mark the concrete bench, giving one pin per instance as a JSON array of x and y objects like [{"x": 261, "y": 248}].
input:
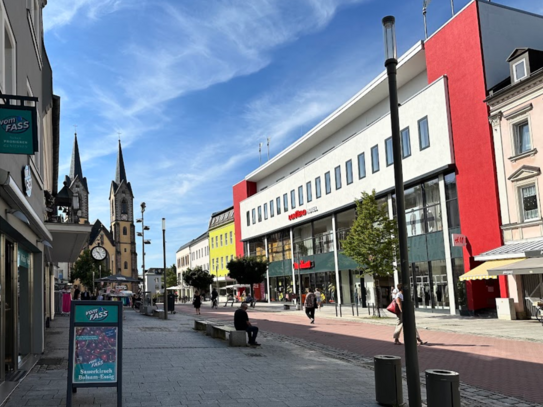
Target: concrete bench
[
  {"x": 286, "y": 306},
  {"x": 235, "y": 338},
  {"x": 200, "y": 325}
]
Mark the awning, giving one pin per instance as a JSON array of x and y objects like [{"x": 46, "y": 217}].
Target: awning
[
  {"x": 481, "y": 272},
  {"x": 68, "y": 240},
  {"x": 532, "y": 265}
]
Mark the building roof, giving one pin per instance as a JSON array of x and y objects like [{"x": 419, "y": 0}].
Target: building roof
[
  {"x": 511, "y": 250},
  {"x": 194, "y": 241},
  {"x": 95, "y": 232},
  {"x": 120, "y": 172},
  {"x": 222, "y": 217}
]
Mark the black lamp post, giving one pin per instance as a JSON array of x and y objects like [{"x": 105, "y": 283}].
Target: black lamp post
[
  {"x": 143, "y": 243},
  {"x": 164, "y": 255},
  {"x": 410, "y": 331}
]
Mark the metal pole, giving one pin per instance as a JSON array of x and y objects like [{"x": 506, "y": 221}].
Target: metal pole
[
  {"x": 411, "y": 355},
  {"x": 425, "y": 27},
  {"x": 164, "y": 255},
  {"x": 452, "y": 7}
]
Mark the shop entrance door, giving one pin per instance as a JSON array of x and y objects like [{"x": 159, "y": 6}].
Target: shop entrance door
[
  {"x": 422, "y": 290},
  {"x": 10, "y": 311}
]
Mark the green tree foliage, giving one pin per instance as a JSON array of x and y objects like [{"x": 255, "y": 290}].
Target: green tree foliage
[
  {"x": 83, "y": 268},
  {"x": 248, "y": 270},
  {"x": 198, "y": 278},
  {"x": 171, "y": 276},
  {"x": 372, "y": 241}
]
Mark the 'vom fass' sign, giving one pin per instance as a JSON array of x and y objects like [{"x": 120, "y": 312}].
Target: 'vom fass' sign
[
  {"x": 97, "y": 314},
  {"x": 18, "y": 130}
]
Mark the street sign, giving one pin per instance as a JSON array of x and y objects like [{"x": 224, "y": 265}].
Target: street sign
[
  {"x": 95, "y": 348},
  {"x": 459, "y": 240}
]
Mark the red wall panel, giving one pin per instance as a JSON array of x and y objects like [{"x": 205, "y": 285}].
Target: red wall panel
[
  {"x": 241, "y": 191},
  {"x": 455, "y": 51}
]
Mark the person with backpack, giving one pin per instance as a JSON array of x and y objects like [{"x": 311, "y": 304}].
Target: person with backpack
[{"x": 310, "y": 305}]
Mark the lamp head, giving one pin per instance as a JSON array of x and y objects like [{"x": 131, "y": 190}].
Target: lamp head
[
  {"x": 389, "y": 35},
  {"x": 163, "y": 223},
  {"x": 146, "y": 228},
  {"x": 143, "y": 206},
  {"x": 147, "y": 241},
  {"x": 139, "y": 220},
  {"x": 139, "y": 234}
]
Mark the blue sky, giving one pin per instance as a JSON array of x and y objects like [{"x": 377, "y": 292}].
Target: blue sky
[{"x": 194, "y": 86}]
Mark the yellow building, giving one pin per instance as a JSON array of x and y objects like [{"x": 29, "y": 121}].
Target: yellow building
[{"x": 222, "y": 247}]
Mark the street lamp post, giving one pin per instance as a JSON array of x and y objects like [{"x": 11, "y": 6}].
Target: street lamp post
[
  {"x": 411, "y": 353},
  {"x": 143, "y": 243},
  {"x": 164, "y": 255}
]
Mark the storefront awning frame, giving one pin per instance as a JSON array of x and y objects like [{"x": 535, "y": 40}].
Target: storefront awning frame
[
  {"x": 481, "y": 272},
  {"x": 528, "y": 266}
]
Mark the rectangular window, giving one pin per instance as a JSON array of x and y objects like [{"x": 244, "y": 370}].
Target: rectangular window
[
  {"x": 519, "y": 70},
  {"x": 337, "y": 172},
  {"x": 349, "y": 171},
  {"x": 318, "y": 187},
  {"x": 389, "y": 152},
  {"x": 327, "y": 183},
  {"x": 523, "y": 142},
  {"x": 260, "y": 213},
  {"x": 265, "y": 211},
  {"x": 254, "y": 216},
  {"x": 278, "y": 204},
  {"x": 231, "y": 238},
  {"x": 292, "y": 199},
  {"x": 272, "y": 214},
  {"x": 222, "y": 264},
  {"x": 217, "y": 238},
  {"x": 221, "y": 240},
  {"x": 300, "y": 195},
  {"x": 285, "y": 202},
  {"x": 308, "y": 192},
  {"x": 212, "y": 243},
  {"x": 406, "y": 142},
  {"x": 528, "y": 200},
  {"x": 424, "y": 133},
  {"x": 361, "y": 166},
  {"x": 375, "y": 159}
]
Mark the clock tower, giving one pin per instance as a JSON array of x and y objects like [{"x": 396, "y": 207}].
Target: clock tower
[{"x": 121, "y": 200}]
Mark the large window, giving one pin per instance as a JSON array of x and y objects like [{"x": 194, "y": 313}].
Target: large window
[
  {"x": 349, "y": 171},
  {"x": 279, "y": 247},
  {"x": 523, "y": 142},
  {"x": 318, "y": 193},
  {"x": 285, "y": 202},
  {"x": 309, "y": 192},
  {"x": 265, "y": 211},
  {"x": 327, "y": 183},
  {"x": 406, "y": 143},
  {"x": 254, "y": 217},
  {"x": 361, "y": 166},
  {"x": 278, "y": 204},
  {"x": 293, "y": 199},
  {"x": 389, "y": 152},
  {"x": 375, "y": 159},
  {"x": 272, "y": 214},
  {"x": 424, "y": 133},
  {"x": 337, "y": 172},
  {"x": 300, "y": 195},
  {"x": 259, "y": 218},
  {"x": 453, "y": 216},
  {"x": 528, "y": 202}
]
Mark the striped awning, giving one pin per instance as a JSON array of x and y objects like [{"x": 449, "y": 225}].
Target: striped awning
[{"x": 481, "y": 272}]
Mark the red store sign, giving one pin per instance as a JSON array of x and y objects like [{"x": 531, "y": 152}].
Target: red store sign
[
  {"x": 459, "y": 240},
  {"x": 297, "y": 214},
  {"x": 304, "y": 265}
]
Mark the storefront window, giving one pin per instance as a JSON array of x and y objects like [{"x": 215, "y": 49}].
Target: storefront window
[
  {"x": 323, "y": 236},
  {"x": 257, "y": 248},
  {"x": 303, "y": 241},
  {"x": 344, "y": 222},
  {"x": 440, "y": 287},
  {"x": 279, "y": 246},
  {"x": 451, "y": 195}
]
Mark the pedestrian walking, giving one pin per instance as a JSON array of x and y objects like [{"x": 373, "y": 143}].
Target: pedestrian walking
[
  {"x": 197, "y": 302},
  {"x": 241, "y": 323},
  {"x": 214, "y": 296},
  {"x": 76, "y": 292},
  {"x": 398, "y": 297},
  {"x": 310, "y": 304},
  {"x": 319, "y": 299}
]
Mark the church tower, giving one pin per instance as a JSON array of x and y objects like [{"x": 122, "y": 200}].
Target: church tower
[{"x": 121, "y": 201}]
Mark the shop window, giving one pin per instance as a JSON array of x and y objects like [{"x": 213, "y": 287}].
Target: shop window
[
  {"x": 389, "y": 151},
  {"x": 309, "y": 192},
  {"x": 349, "y": 171},
  {"x": 424, "y": 133},
  {"x": 375, "y": 159},
  {"x": 327, "y": 183},
  {"x": 318, "y": 187},
  {"x": 337, "y": 173},
  {"x": 300, "y": 195},
  {"x": 406, "y": 143},
  {"x": 361, "y": 166}
]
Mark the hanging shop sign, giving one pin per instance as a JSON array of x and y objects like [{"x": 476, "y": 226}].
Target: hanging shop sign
[
  {"x": 459, "y": 240},
  {"x": 18, "y": 130},
  {"x": 95, "y": 354},
  {"x": 301, "y": 265}
]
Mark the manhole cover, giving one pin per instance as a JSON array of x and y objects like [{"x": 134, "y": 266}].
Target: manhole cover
[
  {"x": 49, "y": 361},
  {"x": 154, "y": 329},
  {"x": 254, "y": 355}
]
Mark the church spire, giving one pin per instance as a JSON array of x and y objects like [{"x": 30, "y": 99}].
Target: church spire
[
  {"x": 75, "y": 167},
  {"x": 120, "y": 174}
]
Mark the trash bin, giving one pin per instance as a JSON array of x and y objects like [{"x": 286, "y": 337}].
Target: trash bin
[
  {"x": 171, "y": 303},
  {"x": 388, "y": 380},
  {"x": 442, "y": 388}
]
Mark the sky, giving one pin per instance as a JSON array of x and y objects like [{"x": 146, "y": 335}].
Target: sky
[{"x": 192, "y": 87}]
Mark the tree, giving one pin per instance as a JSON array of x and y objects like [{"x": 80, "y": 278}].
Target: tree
[
  {"x": 248, "y": 270},
  {"x": 171, "y": 276},
  {"x": 198, "y": 278},
  {"x": 372, "y": 241},
  {"x": 83, "y": 268}
]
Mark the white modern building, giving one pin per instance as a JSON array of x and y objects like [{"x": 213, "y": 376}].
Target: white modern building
[{"x": 191, "y": 255}]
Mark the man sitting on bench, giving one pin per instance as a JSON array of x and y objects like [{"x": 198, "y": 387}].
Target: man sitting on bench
[
  {"x": 241, "y": 323},
  {"x": 250, "y": 300},
  {"x": 229, "y": 298}
]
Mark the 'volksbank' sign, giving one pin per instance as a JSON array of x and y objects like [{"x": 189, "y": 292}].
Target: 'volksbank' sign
[{"x": 18, "y": 130}]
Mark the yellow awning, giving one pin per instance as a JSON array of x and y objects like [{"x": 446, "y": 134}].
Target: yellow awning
[{"x": 481, "y": 272}]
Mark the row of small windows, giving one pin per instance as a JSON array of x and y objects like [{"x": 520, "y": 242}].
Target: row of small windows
[
  {"x": 224, "y": 261},
  {"x": 424, "y": 143},
  {"x": 215, "y": 242},
  {"x": 198, "y": 254}
]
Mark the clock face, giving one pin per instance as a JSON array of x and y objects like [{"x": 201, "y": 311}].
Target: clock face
[{"x": 99, "y": 253}]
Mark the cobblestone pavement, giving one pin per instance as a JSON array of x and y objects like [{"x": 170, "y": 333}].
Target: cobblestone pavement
[{"x": 501, "y": 371}]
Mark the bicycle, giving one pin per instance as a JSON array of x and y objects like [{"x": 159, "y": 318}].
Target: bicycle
[{"x": 539, "y": 312}]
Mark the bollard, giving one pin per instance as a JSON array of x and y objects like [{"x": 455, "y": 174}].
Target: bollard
[
  {"x": 442, "y": 388},
  {"x": 336, "y": 308},
  {"x": 340, "y": 312},
  {"x": 352, "y": 307},
  {"x": 357, "y": 309},
  {"x": 388, "y": 380}
]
